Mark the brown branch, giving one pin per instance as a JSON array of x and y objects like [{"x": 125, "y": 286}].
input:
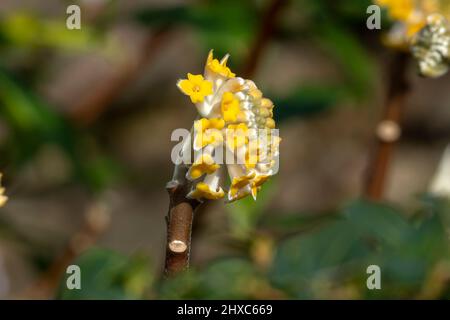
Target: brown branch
[
  {"x": 179, "y": 227},
  {"x": 389, "y": 129},
  {"x": 266, "y": 30}
]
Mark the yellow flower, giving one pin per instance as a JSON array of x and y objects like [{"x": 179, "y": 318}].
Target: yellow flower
[
  {"x": 219, "y": 67},
  {"x": 195, "y": 87},
  {"x": 251, "y": 155},
  {"x": 410, "y": 17},
  {"x": 398, "y": 9},
  {"x": 234, "y": 128},
  {"x": 207, "y": 131},
  {"x": 236, "y": 135},
  {"x": 203, "y": 191},
  {"x": 205, "y": 164},
  {"x": 257, "y": 182},
  {"x": 239, "y": 183},
  {"x": 230, "y": 107}
]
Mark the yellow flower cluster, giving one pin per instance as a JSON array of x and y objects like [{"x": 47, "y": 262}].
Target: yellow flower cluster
[
  {"x": 410, "y": 16},
  {"x": 233, "y": 134}
]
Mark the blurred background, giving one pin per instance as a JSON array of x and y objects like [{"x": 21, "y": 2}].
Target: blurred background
[{"x": 85, "y": 123}]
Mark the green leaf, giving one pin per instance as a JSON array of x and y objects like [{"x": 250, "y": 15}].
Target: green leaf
[
  {"x": 228, "y": 278},
  {"x": 378, "y": 222},
  {"x": 106, "y": 274},
  {"x": 301, "y": 258},
  {"x": 285, "y": 223},
  {"x": 184, "y": 285},
  {"x": 232, "y": 278}
]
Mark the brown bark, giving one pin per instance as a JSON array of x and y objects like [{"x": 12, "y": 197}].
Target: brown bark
[
  {"x": 179, "y": 227},
  {"x": 394, "y": 107},
  {"x": 266, "y": 29}
]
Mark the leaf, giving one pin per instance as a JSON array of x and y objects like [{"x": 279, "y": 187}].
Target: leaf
[
  {"x": 405, "y": 251},
  {"x": 378, "y": 221},
  {"x": 106, "y": 274},
  {"x": 368, "y": 233},
  {"x": 301, "y": 258},
  {"x": 290, "y": 222},
  {"x": 184, "y": 285},
  {"x": 232, "y": 278},
  {"x": 227, "y": 278}
]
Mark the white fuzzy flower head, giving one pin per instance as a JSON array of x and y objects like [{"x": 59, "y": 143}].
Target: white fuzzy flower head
[
  {"x": 234, "y": 134},
  {"x": 431, "y": 47}
]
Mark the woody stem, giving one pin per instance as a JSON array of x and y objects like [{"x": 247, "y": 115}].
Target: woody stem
[
  {"x": 179, "y": 228},
  {"x": 389, "y": 128}
]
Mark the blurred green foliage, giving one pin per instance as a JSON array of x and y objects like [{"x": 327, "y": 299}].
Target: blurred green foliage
[
  {"x": 109, "y": 275},
  {"x": 27, "y": 31},
  {"x": 326, "y": 261},
  {"x": 278, "y": 256},
  {"x": 226, "y": 25},
  {"x": 35, "y": 124}
]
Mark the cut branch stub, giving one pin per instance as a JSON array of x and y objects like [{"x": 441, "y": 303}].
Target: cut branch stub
[{"x": 179, "y": 228}]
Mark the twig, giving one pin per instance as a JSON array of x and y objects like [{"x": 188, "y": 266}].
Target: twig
[
  {"x": 389, "y": 129},
  {"x": 90, "y": 108},
  {"x": 266, "y": 29},
  {"x": 179, "y": 227}
]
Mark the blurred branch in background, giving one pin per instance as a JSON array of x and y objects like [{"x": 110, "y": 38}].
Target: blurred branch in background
[
  {"x": 388, "y": 130},
  {"x": 90, "y": 108},
  {"x": 263, "y": 36},
  {"x": 96, "y": 221}
]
